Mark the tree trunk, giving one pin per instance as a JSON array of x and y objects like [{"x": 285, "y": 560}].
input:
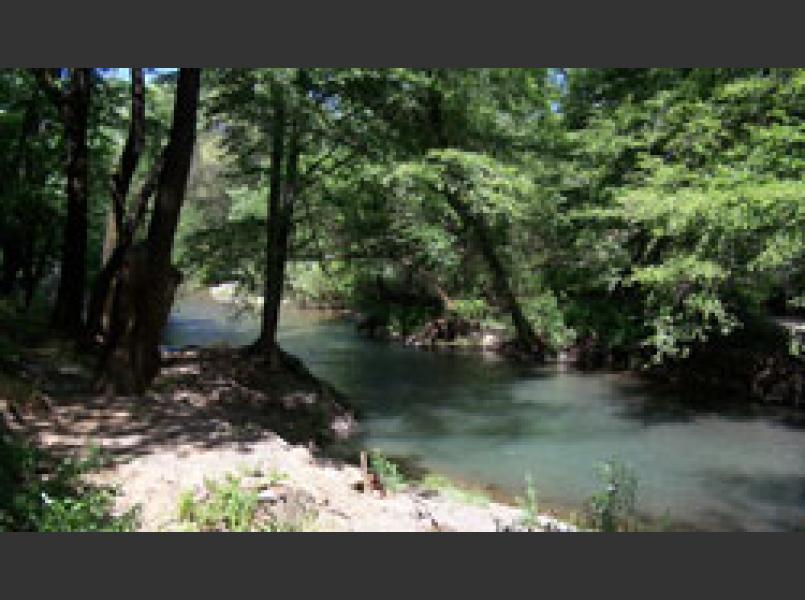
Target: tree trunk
[
  {"x": 282, "y": 197},
  {"x": 38, "y": 242},
  {"x": 29, "y": 262},
  {"x": 12, "y": 261},
  {"x": 118, "y": 239},
  {"x": 101, "y": 297},
  {"x": 527, "y": 341},
  {"x": 148, "y": 280},
  {"x": 286, "y": 224},
  {"x": 110, "y": 236},
  {"x": 69, "y": 309},
  {"x": 132, "y": 150},
  {"x": 272, "y": 296},
  {"x": 158, "y": 295}
]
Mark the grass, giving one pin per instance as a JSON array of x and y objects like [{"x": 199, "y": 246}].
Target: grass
[
  {"x": 227, "y": 505},
  {"x": 528, "y": 504},
  {"x": 450, "y": 490},
  {"x": 273, "y": 477}
]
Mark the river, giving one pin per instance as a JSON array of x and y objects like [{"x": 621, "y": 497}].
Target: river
[{"x": 481, "y": 419}]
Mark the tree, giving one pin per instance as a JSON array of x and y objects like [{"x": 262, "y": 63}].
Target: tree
[
  {"x": 73, "y": 106},
  {"x": 144, "y": 292},
  {"x": 120, "y": 228},
  {"x": 692, "y": 183},
  {"x": 462, "y": 114},
  {"x": 28, "y": 194},
  {"x": 304, "y": 118}
]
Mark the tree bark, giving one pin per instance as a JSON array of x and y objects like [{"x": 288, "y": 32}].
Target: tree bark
[
  {"x": 158, "y": 295},
  {"x": 282, "y": 197},
  {"x": 38, "y": 242},
  {"x": 273, "y": 279},
  {"x": 12, "y": 262},
  {"x": 129, "y": 158},
  {"x": 118, "y": 236},
  {"x": 285, "y": 230},
  {"x": 121, "y": 181},
  {"x": 148, "y": 280},
  {"x": 100, "y": 298},
  {"x": 68, "y": 314}
]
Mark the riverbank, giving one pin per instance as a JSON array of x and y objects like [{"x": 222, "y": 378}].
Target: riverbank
[
  {"x": 707, "y": 462},
  {"x": 755, "y": 366},
  {"x": 215, "y": 418}
]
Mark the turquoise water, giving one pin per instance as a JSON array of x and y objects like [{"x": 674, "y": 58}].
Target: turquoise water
[{"x": 481, "y": 419}]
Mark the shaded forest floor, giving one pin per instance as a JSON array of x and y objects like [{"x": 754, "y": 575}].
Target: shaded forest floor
[{"x": 217, "y": 416}]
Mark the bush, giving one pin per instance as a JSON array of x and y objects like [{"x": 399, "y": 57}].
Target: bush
[
  {"x": 227, "y": 506},
  {"x": 309, "y": 281},
  {"x": 472, "y": 309},
  {"x": 544, "y": 312},
  {"x": 611, "y": 508},
  {"x": 389, "y": 474},
  {"x": 40, "y": 493}
]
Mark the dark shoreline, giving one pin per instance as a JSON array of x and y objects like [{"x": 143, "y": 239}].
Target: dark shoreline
[{"x": 722, "y": 397}]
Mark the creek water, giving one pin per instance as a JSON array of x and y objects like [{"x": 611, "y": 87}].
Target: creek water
[{"x": 481, "y": 419}]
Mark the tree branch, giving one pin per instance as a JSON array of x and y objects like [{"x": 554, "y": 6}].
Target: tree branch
[{"x": 121, "y": 180}]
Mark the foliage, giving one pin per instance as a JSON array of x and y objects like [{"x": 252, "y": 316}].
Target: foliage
[
  {"x": 227, "y": 506},
  {"x": 529, "y": 505},
  {"x": 443, "y": 485},
  {"x": 692, "y": 182},
  {"x": 330, "y": 283},
  {"x": 59, "y": 501},
  {"x": 388, "y": 472},
  {"x": 651, "y": 212},
  {"x": 611, "y": 508}
]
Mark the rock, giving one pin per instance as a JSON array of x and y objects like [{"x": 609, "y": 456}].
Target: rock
[
  {"x": 270, "y": 496},
  {"x": 224, "y": 292},
  {"x": 489, "y": 341},
  {"x": 344, "y": 426}
]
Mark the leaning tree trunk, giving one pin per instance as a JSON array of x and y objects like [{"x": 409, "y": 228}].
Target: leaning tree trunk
[
  {"x": 148, "y": 280},
  {"x": 157, "y": 297},
  {"x": 69, "y": 308},
  {"x": 118, "y": 238},
  {"x": 527, "y": 340}
]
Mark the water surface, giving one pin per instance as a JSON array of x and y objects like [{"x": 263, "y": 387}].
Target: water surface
[{"x": 481, "y": 419}]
